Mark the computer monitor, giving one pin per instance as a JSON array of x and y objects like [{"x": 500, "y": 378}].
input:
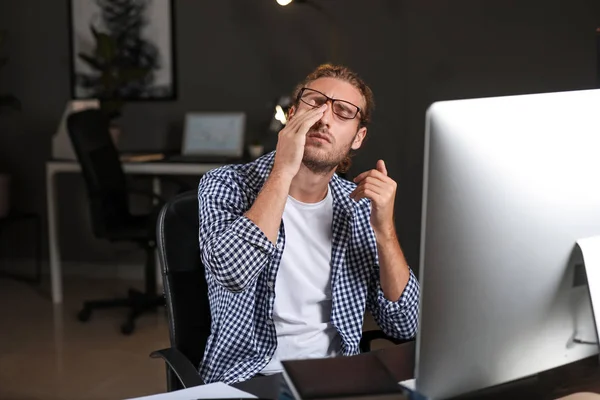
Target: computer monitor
[{"x": 510, "y": 185}]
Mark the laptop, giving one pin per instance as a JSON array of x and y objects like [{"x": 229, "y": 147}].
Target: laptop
[{"x": 212, "y": 137}]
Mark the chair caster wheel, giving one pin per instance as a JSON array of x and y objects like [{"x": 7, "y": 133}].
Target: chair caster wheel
[
  {"x": 127, "y": 328},
  {"x": 84, "y": 315}
]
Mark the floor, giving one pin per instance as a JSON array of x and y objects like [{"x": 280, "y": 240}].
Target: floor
[{"x": 46, "y": 353}]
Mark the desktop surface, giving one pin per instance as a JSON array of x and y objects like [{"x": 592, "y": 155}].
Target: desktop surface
[
  {"x": 203, "y": 159},
  {"x": 577, "y": 377},
  {"x": 177, "y": 157}
]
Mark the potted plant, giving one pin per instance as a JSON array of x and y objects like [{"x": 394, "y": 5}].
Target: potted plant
[
  {"x": 111, "y": 75},
  {"x": 7, "y": 102},
  {"x": 123, "y": 62}
]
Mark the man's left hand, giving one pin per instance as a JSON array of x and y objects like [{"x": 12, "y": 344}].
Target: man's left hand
[{"x": 377, "y": 186}]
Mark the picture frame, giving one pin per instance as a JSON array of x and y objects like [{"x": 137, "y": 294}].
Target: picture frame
[
  {"x": 214, "y": 134},
  {"x": 597, "y": 57},
  {"x": 134, "y": 38}
]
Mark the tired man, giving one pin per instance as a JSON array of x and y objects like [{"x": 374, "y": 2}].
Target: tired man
[{"x": 294, "y": 253}]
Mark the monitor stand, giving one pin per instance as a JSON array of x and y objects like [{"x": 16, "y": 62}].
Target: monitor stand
[{"x": 590, "y": 250}]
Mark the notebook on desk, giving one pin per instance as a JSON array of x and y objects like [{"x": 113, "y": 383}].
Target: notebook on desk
[
  {"x": 360, "y": 377},
  {"x": 141, "y": 157}
]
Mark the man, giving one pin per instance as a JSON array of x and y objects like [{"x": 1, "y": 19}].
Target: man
[{"x": 293, "y": 253}]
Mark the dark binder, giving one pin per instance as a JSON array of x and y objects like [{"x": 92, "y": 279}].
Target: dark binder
[{"x": 361, "y": 377}]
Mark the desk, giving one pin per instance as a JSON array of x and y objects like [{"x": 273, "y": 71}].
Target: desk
[
  {"x": 54, "y": 167},
  {"x": 580, "y": 376}
]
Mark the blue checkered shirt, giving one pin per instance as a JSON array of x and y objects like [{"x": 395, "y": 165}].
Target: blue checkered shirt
[{"x": 241, "y": 267}]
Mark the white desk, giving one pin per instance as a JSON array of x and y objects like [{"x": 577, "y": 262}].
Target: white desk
[{"x": 55, "y": 167}]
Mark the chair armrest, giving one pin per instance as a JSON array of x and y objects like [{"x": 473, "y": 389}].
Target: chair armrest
[
  {"x": 369, "y": 336},
  {"x": 180, "y": 365}
]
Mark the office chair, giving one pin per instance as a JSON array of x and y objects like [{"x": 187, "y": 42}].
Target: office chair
[
  {"x": 111, "y": 218},
  {"x": 186, "y": 293}
]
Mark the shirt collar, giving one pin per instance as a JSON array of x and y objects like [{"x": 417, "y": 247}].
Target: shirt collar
[{"x": 260, "y": 169}]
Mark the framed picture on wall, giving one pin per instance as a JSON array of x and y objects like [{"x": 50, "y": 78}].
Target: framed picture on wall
[{"x": 122, "y": 49}]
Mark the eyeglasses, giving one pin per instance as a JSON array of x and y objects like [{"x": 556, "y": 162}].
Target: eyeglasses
[{"x": 342, "y": 108}]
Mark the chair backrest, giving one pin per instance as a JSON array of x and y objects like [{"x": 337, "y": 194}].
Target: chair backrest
[
  {"x": 184, "y": 282},
  {"x": 101, "y": 168}
]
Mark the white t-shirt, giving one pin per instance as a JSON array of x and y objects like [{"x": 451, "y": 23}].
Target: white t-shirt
[{"x": 302, "y": 310}]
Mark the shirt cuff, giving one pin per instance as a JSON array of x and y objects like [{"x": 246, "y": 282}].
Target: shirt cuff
[
  {"x": 408, "y": 297},
  {"x": 248, "y": 231}
]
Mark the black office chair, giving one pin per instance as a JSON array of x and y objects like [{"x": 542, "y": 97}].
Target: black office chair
[
  {"x": 111, "y": 218},
  {"x": 187, "y": 294},
  {"x": 186, "y": 291}
]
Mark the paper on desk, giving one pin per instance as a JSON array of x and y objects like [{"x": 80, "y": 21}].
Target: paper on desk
[
  {"x": 217, "y": 390},
  {"x": 409, "y": 383}
]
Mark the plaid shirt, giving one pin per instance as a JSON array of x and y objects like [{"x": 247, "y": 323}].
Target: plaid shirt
[{"x": 241, "y": 267}]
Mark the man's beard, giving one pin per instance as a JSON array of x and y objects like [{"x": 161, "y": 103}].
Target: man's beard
[{"x": 320, "y": 160}]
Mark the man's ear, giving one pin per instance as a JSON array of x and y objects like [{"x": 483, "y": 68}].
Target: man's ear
[
  {"x": 291, "y": 112},
  {"x": 358, "y": 138}
]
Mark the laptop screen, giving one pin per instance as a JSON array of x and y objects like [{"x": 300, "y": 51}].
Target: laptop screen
[{"x": 220, "y": 134}]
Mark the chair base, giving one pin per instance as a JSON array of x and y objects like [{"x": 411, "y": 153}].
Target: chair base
[{"x": 138, "y": 303}]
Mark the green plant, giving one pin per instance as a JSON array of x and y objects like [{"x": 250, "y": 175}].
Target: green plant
[
  {"x": 111, "y": 73},
  {"x": 7, "y": 100}
]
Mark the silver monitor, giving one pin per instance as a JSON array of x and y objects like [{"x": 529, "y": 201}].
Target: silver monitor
[{"x": 510, "y": 184}]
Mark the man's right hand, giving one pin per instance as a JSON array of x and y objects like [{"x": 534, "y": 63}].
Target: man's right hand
[
  {"x": 267, "y": 210},
  {"x": 292, "y": 139}
]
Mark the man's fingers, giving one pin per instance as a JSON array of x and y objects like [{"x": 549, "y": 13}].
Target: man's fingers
[
  {"x": 374, "y": 183},
  {"x": 360, "y": 177},
  {"x": 381, "y": 167},
  {"x": 374, "y": 173},
  {"x": 310, "y": 120},
  {"x": 367, "y": 193},
  {"x": 368, "y": 190},
  {"x": 296, "y": 123},
  {"x": 379, "y": 172}
]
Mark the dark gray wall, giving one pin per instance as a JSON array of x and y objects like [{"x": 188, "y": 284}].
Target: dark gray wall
[{"x": 241, "y": 54}]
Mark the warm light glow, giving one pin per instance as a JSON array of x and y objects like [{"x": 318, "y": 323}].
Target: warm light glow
[
  {"x": 284, "y": 2},
  {"x": 279, "y": 114}
]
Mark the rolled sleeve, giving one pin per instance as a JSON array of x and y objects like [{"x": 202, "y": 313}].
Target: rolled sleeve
[
  {"x": 250, "y": 233},
  {"x": 232, "y": 248},
  {"x": 399, "y": 318}
]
